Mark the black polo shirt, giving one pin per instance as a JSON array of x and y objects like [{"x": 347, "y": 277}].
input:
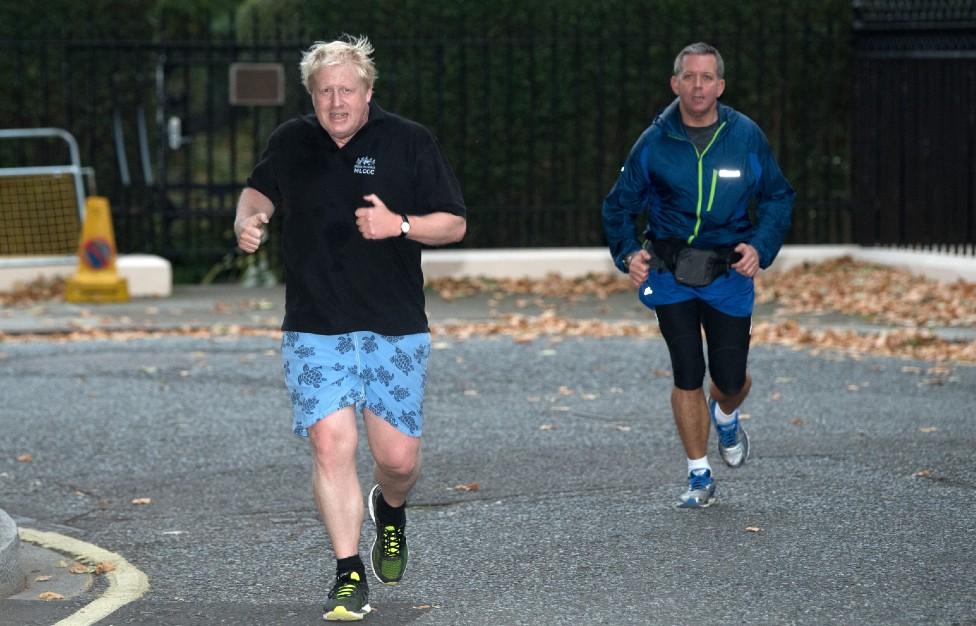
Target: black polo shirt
[{"x": 335, "y": 280}]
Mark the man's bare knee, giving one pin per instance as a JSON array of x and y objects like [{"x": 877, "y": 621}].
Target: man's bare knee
[
  {"x": 332, "y": 444},
  {"x": 399, "y": 463}
]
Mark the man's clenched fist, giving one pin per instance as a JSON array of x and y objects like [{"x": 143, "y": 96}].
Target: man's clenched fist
[
  {"x": 250, "y": 232},
  {"x": 377, "y": 221}
]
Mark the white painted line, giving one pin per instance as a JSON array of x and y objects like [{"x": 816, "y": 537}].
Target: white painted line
[{"x": 125, "y": 583}]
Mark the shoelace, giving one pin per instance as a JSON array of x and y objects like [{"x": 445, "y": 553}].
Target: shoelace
[
  {"x": 698, "y": 481},
  {"x": 391, "y": 542},
  {"x": 346, "y": 589},
  {"x": 727, "y": 434}
]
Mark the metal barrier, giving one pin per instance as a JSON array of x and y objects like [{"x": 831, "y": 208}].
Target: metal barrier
[{"x": 26, "y": 190}]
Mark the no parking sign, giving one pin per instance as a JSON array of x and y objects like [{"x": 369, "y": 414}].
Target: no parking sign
[
  {"x": 97, "y": 253},
  {"x": 96, "y": 279}
]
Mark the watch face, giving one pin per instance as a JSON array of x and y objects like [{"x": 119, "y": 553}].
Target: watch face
[{"x": 404, "y": 226}]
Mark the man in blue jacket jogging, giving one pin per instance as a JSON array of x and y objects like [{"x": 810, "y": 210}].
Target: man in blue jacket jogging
[{"x": 694, "y": 173}]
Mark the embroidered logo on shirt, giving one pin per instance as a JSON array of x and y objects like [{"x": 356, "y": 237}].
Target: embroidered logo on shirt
[{"x": 365, "y": 165}]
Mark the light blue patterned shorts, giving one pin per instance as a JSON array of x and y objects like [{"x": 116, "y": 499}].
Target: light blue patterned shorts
[{"x": 385, "y": 374}]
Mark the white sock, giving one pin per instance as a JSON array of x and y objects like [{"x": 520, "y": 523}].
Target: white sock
[
  {"x": 722, "y": 418},
  {"x": 698, "y": 464}
]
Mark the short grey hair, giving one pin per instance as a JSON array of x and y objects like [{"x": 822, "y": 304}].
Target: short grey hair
[
  {"x": 699, "y": 48},
  {"x": 355, "y": 50}
]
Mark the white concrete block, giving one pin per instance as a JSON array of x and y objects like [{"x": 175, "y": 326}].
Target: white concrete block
[
  {"x": 147, "y": 275},
  {"x": 516, "y": 262}
]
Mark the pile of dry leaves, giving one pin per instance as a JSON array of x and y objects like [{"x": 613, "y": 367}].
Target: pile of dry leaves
[
  {"x": 590, "y": 286},
  {"x": 876, "y": 293},
  {"x": 880, "y": 294},
  {"x": 40, "y": 290}
]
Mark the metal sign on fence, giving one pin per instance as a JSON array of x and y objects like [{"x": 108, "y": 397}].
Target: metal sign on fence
[{"x": 257, "y": 84}]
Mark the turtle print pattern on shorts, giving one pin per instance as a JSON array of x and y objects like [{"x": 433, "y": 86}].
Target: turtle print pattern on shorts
[{"x": 382, "y": 373}]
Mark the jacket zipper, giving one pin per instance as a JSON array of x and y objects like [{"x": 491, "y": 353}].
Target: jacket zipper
[{"x": 711, "y": 194}]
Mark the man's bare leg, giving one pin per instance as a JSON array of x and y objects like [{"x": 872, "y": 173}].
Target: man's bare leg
[
  {"x": 335, "y": 483},
  {"x": 397, "y": 459},
  {"x": 691, "y": 418},
  {"x": 730, "y": 403}
]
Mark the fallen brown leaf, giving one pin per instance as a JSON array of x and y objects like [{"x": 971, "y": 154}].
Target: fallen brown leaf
[
  {"x": 753, "y": 529},
  {"x": 79, "y": 568},
  {"x": 796, "y": 421},
  {"x": 42, "y": 579},
  {"x": 928, "y": 429},
  {"x": 925, "y": 473},
  {"x": 105, "y": 567},
  {"x": 141, "y": 501},
  {"x": 27, "y": 457},
  {"x": 467, "y": 487},
  {"x": 548, "y": 427},
  {"x": 49, "y": 595}
]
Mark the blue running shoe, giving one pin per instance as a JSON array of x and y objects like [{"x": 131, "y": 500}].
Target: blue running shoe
[
  {"x": 701, "y": 490},
  {"x": 733, "y": 441}
]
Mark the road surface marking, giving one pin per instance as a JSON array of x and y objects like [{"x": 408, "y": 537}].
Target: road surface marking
[{"x": 125, "y": 583}]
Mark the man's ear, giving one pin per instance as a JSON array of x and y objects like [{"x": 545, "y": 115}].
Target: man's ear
[{"x": 674, "y": 84}]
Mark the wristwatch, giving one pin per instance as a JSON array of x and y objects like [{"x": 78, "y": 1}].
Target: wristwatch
[{"x": 404, "y": 225}]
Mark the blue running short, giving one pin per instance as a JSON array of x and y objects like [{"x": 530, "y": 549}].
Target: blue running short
[
  {"x": 385, "y": 374},
  {"x": 732, "y": 293}
]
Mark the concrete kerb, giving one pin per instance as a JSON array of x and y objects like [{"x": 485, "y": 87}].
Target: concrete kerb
[{"x": 11, "y": 577}]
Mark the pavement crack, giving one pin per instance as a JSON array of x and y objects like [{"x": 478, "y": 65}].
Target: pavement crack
[{"x": 70, "y": 521}]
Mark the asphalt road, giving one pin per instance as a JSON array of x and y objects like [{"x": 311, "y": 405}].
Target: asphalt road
[{"x": 578, "y": 468}]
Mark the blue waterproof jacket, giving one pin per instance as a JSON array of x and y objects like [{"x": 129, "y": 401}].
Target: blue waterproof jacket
[{"x": 702, "y": 199}]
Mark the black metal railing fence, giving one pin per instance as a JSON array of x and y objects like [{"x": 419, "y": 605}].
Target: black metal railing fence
[
  {"x": 914, "y": 131},
  {"x": 535, "y": 104}
]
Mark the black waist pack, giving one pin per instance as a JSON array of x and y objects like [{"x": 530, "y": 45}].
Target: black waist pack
[
  {"x": 698, "y": 268},
  {"x": 694, "y": 267}
]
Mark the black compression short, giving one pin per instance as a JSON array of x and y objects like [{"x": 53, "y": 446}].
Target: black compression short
[{"x": 727, "y": 338}]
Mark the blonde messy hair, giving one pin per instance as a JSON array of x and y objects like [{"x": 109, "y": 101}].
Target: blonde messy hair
[{"x": 355, "y": 50}]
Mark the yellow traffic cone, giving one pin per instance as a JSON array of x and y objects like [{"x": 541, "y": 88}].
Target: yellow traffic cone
[{"x": 96, "y": 279}]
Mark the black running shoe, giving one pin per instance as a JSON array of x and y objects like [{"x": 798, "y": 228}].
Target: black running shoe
[
  {"x": 389, "y": 551},
  {"x": 349, "y": 599}
]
